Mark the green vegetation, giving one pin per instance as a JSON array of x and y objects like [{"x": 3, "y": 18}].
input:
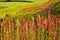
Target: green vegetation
[
  {"x": 14, "y": 8},
  {"x": 55, "y": 9},
  {"x": 3, "y": 0}
]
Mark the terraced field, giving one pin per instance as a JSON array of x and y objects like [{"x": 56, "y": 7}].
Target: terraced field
[{"x": 14, "y": 7}]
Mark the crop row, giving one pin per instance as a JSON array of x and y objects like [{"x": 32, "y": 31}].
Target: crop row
[{"x": 37, "y": 27}]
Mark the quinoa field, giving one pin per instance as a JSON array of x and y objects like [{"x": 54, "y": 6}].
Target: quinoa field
[{"x": 37, "y": 20}]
